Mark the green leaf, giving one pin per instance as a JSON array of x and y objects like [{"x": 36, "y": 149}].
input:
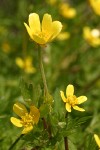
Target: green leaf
[
  {"x": 59, "y": 107},
  {"x": 30, "y": 93},
  {"x": 90, "y": 143}
]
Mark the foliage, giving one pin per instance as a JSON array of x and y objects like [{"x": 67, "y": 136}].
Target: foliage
[{"x": 69, "y": 60}]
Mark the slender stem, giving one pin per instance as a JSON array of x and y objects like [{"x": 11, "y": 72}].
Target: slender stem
[
  {"x": 16, "y": 141},
  {"x": 42, "y": 70},
  {"x": 44, "y": 124},
  {"x": 66, "y": 143},
  {"x": 46, "y": 127},
  {"x": 65, "y": 138}
]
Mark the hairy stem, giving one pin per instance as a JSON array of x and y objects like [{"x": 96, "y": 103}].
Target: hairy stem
[
  {"x": 42, "y": 70},
  {"x": 16, "y": 141}
]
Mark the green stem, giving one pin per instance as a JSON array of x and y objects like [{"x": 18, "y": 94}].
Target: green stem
[
  {"x": 16, "y": 141},
  {"x": 42, "y": 70}
]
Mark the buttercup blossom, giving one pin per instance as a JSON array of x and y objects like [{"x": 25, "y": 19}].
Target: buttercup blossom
[
  {"x": 45, "y": 32},
  {"x": 66, "y": 11},
  {"x": 97, "y": 139},
  {"x": 92, "y": 36},
  {"x": 51, "y": 2},
  {"x": 71, "y": 100},
  {"x": 26, "y": 64},
  {"x": 95, "y": 4},
  {"x": 27, "y": 120},
  {"x": 63, "y": 36}
]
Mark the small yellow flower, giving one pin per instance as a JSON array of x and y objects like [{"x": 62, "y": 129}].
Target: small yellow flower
[
  {"x": 97, "y": 139},
  {"x": 45, "y": 32},
  {"x": 63, "y": 36},
  {"x": 6, "y": 47},
  {"x": 26, "y": 64},
  {"x": 71, "y": 100},
  {"x": 27, "y": 119},
  {"x": 51, "y": 2},
  {"x": 95, "y": 4},
  {"x": 92, "y": 36},
  {"x": 67, "y": 11}
]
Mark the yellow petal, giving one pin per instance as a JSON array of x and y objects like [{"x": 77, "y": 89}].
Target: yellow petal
[
  {"x": 78, "y": 108},
  {"x": 39, "y": 40},
  {"x": 16, "y": 121},
  {"x": 69, "y": 90},
  {"x": 81, "y": 99},
  {"x": 34, "y": 112},
  {"x": 20, "y": 62},
  {"x": 68, "y": 107},
  {"x": 29, "y": 31},
  {"x": 56, "y": 28},
  {"x": 19, "y": 109},
  {"x": 97, "y": 139},
  {"x": 63, "y": 96},
  {"x": 27, "y": 129},
  {"x": 47, "y": 24},
  {"x": 34, "y": 23}
]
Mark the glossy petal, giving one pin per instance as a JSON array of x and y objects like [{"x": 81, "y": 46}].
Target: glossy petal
[
  {"x": 47, "y": 24},
  {"x": 34, "y": 112},
  {"x": 56, "y": 28},
  {"x": 68, "y": 107},
  {"x": 97, "y": 139},
  {"x": 34, "y": 23},
  {"x": 39, "y": 40},
  {"x": 63, "y": 96},
  {"x": 27, "y": 129},
  {"x": 78, "y": 108},
  {"x": 16, "y": 121},
  {"x": 69, "y": 90},
  {"x": 19, "y": 109},
  {"x": 29, "y": 31},
  {"x": 81, "y": 99}
]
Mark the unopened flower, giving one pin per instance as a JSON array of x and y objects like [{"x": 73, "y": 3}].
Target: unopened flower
[
  {"x": 95, "y": 4},
  {"x": 92, "y": 36},
  {"x": 97, "y": 139},
  {"x": 45, "y": 32},
  {"x": 27, "y": 120},
  {"x": 67, "y": 11},
  {"x": 26, "y": 64},
  {"x": 71, "y": 100}
]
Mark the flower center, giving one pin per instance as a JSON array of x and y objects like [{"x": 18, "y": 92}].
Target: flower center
[
  {"x": 72, "y": 100},
  {"x": 43, "y": 35},
  {"x": 27, "y": 120}
]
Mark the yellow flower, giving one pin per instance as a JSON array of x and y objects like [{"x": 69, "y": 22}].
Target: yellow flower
[
  {"x": 71, "y": 100},
  {"x": 63, "y": 36},
  {"x": 6, "y": 47},
  {"x": 45, "y": 32},
  {"x": 95, "y": 4},
  {"x": 26, "y": 64},
  {"x": 27, "y": 119},
  {"x": 97, "y": 139},
  {"x": 92, "y": 36},
  {"x": 51, "y": 2},
  {"x": 67, "y": 11}
]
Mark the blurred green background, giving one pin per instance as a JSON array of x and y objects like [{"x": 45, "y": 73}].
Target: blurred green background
[{"x": 66, "y": 61}]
